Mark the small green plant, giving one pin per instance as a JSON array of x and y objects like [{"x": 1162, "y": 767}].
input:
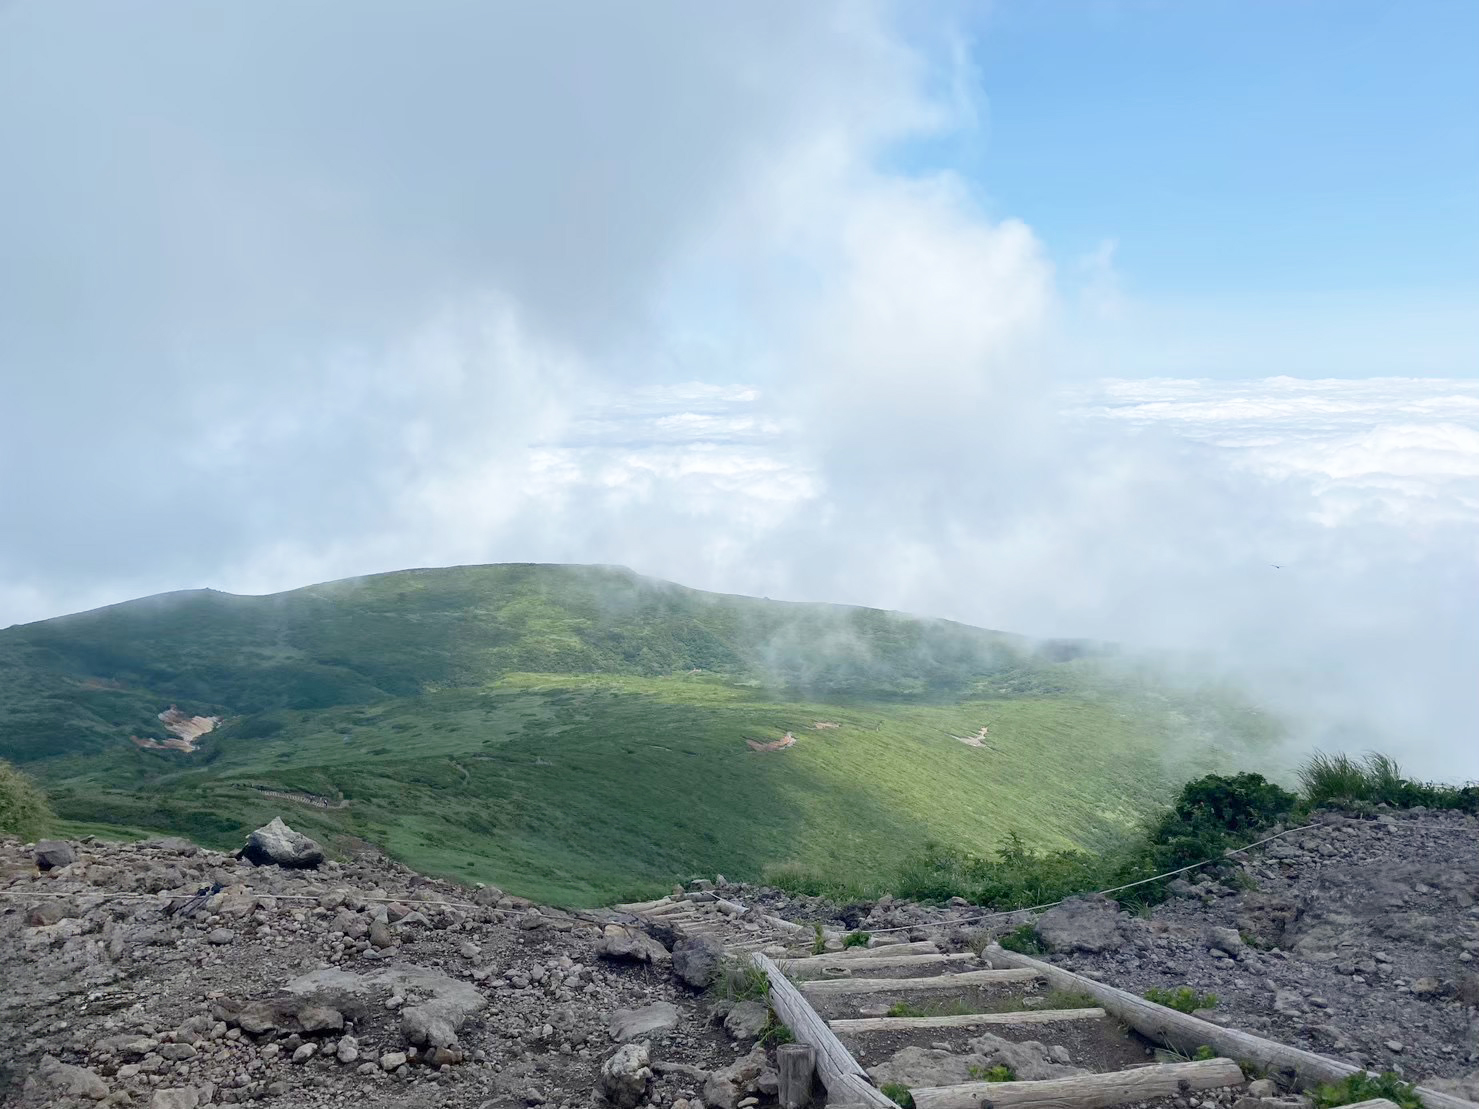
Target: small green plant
[
  {"x": 819, "y": 940},
  {"x": 775, "y": 1033},
  {"x": 899, "y": 1094},
  {"x": 955, "y": 1008},
  {"x": 1364, "y": 1087},
  {"x": 999, "y": 1073},
  {"x": 904, "y": 1009},
  {"x": 856, "y": 939},
  {"x": 1204, "y": 1053},
  {"x": 741, "y": 980},
  {"x": 1183, "y": 1000},
  {"x": 1023, "y": 940}
]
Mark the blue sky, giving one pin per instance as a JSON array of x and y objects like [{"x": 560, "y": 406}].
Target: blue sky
[
  {"x": 1309, "y": 167},
  {"x": 1279, "y": 145}
]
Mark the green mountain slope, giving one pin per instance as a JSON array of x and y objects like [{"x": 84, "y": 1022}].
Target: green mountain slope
[{"x": 577, "y": 733}]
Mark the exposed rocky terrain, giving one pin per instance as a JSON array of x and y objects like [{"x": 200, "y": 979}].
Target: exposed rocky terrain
[
  {"x": 1358, "y": 938},
  {"x": 161, "y": 974}
]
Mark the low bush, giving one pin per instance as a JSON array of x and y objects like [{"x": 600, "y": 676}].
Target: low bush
[
  {"x": 23, "y": 808},
  {"x": 741, "y": 980},
  {"x": 1023, "y": 940},
  {"x": 1377, "y": 779},
  {"x": 1365, "y": 1087},
  {"x": 856, "y": 939},
  {"x": 999, "y": 1073},
  {"x": 899, "y": 1094}
]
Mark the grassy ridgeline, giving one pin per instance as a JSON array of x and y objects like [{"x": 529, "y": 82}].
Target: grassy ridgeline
[{"x": 578, "y": 734}]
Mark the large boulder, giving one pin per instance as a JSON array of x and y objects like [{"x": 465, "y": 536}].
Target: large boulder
[
  {"x": 696, "y": 960},
  {"x": 638, "y": 1024},
  {"x": 1090, "y": 924},
  {"x": 630, "y": 945},
  {"x": 277, "y": 844},
  {"x": 625, "y": 1077},
  {"x": 52, "y": 853},
  {"x": 68, "y": 1081}
]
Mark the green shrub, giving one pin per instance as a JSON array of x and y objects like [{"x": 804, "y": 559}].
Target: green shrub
[
  {"x": 23, "y": 808},
  {"x": 1023, "y": 940},
  {"x": 775, "y": 1033},
  {"x": 1203, "y": 1054},
  {"x": 856, "y": 939},
  {"x": 1183, "y": 1000},
  {"x": 819, "y": 940},
  {"x": 999, "y": 1073},
  {"x": 1365, "y": 1087},
  {"x": 899, "y": 1094}
]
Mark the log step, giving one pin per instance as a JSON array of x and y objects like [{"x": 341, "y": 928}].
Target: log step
[
  {"x": 1085, "y": 1091},
  {"x": 832, "y": 986},
  {"x": 849, "y": 966},
  {"x": 965, "y": 1020},
  {"x": 886, "y": 951}
]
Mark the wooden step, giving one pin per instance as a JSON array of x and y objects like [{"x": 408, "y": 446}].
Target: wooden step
[
  {"x": 1085, "y": 1091},
  {"x": 831, "y": 986},
  {"x": 887, "y": 951},
  {"x": 851, "y": 966},
  {"x": 964, "y": 1020}
]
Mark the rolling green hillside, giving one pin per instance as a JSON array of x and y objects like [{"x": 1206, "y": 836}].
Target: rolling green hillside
[{"x": 577, "y": 733}]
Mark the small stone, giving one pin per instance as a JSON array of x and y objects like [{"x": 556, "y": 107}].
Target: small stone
[
  {"x": 1394, "y": 1046},
  {"x": 391, "y": 1060},
  {"x": 348, "y": 1050},
  {"x": 222, "y": 936},
  {"x": 304, "y": 1053}
]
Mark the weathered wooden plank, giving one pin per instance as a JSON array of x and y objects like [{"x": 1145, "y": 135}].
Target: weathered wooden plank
[
  {"x": 796, "y": 1066},
  {"x": 1085, "y": 1091},
  {"x": 832, "y": 986},
  {"x": 887, "y": 951},
  {"x": 1186, "y": 1032},
  {"x": 642, "y": 906},
  {"x": 834, "y": 965},
  {"x": 964, "y": 1020},
  {"x": 840, "y": 1072}
]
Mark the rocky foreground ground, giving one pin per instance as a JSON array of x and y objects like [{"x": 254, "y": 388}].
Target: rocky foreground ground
[{"x": 160, "y": 974}]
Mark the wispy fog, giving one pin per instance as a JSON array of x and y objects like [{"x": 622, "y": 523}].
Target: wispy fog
[{"x": 294, "y": 293}]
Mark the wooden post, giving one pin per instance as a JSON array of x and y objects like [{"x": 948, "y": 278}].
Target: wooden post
[
  {"x": 1085, "y": 1091},
  {"x": 797, "y": 1066},
  {"x": 1186, "y": 1032}
]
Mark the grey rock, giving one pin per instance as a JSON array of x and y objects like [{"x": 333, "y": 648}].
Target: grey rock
[
  {"x": 380, "y": 936},
  {"x": 1262, "y": 1087},
  {"x": 70, "y": 1081},
  {"x": 277, "y": 844},
  {"x": 1226, "y": 940},
  {"x": 319, "y": 1018},
  {"x": 348, "y": 1050},
  {"x": 626, "y": 1076},
  {"x": 222, "y": 936},
  {"x": 52, "y": 853},
  {"x": 182, "y": 1097},
  {"x": 696, "y": 960},
  {"x": 391, "y": 1060},
  {"x": 305, "y": 1052},
  {"x": 917, "y": 1066},
  {"x": 726, "y": 1086},
  {"x": 637, "y": 1024},
  {"x": 1082, "y": 924},
  {"x": 747, "y": 1020},
  {"x": 630, "y": 945}
]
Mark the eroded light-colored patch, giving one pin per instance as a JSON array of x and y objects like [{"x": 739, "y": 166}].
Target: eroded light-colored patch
[
  {"x": 976, "y": 740},
  {"x": 187, "y": 729},
  {"x": 787, "y": 740}
]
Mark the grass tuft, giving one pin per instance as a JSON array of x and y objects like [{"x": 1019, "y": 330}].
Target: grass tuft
[
  {"x": 898, "y": 1093},
  {"x": 1365, "y": 1087},
  {"x": 1183, "y": 1000}
]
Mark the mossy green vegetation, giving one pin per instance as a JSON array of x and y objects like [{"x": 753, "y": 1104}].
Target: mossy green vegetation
[
  {"x": 1183, "y": 999},
  {"x": 23, "y": 808},
  {"x": 899, "y": 1094},
  {"x": 582, "y": 734}
]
